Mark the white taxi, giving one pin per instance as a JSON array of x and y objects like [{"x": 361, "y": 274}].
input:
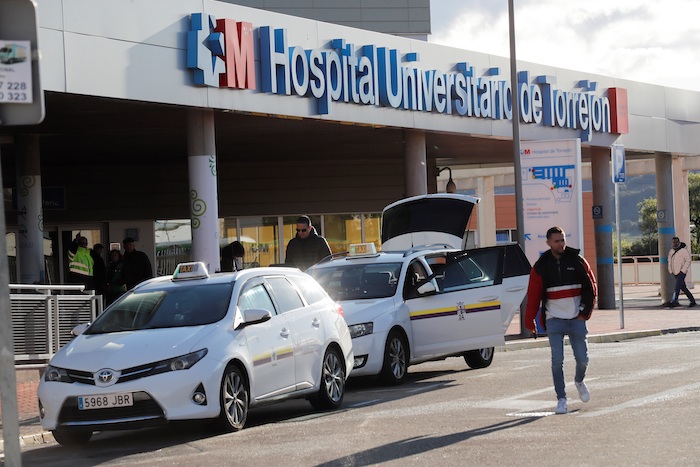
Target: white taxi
[
  {"x": 425, "y": 297},
  {"x": 199, "y": 346}
]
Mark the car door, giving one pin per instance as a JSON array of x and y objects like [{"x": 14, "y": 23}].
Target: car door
[
  {"x": 516, "y": 275},
  {"x": 464, "y": 312},
  {"x": 270, "y": 344},
  {"x": 307, "y": 330}
]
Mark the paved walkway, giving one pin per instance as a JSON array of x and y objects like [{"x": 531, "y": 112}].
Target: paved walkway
[{"x": 642, "y": 315}]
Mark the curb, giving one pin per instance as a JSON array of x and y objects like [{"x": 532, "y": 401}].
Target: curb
[{"x": 595, "y": 338}]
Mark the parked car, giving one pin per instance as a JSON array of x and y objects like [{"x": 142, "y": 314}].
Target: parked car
[
  {"x": 199, "y": 346},
  {"x": 424, "y": 297}
]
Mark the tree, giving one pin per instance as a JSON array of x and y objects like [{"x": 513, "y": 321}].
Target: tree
[
  {"x": 694, "y": 209},
  {"x": 649, "y": 243}
]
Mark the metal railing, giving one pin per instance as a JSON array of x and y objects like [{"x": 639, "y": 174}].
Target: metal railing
[
  {"x": 637, "y": 270},
  {"x": 44, "y": 315}
]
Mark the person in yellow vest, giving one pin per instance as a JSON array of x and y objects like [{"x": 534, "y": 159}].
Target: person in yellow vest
[{"x": 80, "y": 263}]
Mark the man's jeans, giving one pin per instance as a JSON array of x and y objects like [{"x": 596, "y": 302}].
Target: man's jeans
[
  {"x": 680, "y": 285},
  {"x": 577, "y": 331}
]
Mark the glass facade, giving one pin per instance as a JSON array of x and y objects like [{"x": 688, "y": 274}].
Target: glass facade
[{"x": 264, "y": 238}]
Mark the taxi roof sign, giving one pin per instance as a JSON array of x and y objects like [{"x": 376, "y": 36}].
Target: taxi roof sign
[
  {"x": 362, "y": 249},
  {"x": 192, "y": 270}
]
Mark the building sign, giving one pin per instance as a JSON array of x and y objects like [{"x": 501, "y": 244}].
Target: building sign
[
  {"x": 221, "y": 54},
  {"x": 551, "y": 193}
]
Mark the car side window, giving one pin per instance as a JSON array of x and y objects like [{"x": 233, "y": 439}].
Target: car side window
[
  {"x": 256, "y": 297},
  {"x": 285, "y": 293},
  {"x": 466, "y": 270},
  {"x": 415, "y": 274},
  {"x": 310, "y": 289}
]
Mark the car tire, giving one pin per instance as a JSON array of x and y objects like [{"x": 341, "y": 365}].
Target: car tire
[
  {"x": 330, "y": 394},
  {"x": 480, "y": 358},
  {"x": 234, "y": 400},
  {"x": 395, "y": 365},
  {"x": 71, "y": 436}
]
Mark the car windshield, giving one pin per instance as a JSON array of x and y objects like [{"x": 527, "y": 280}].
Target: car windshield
[
  {"x": 358, "y": 281},
  {"x": 169, "y": 307}
]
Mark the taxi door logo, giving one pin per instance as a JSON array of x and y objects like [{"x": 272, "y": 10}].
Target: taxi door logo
[
  {"x": 461, "y": 311},
  {"x": 220, "y": 52}
]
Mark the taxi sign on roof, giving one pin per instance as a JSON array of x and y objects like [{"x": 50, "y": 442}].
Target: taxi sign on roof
[
  {"x": 193, "y": 270},
  {"x": 362, "y": 249}
]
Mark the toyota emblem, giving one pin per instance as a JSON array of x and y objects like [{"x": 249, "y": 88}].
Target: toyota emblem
[{"x": 105, "y": 376}]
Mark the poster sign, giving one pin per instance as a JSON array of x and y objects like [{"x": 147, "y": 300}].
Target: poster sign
[
  {"x": 551, "y": 174},
  {"x": 618, "y": 163},
  {"x": 16, "y": 72}
]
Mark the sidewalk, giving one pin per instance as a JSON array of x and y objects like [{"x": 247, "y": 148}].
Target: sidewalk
[{"x": 643, "y": 316}]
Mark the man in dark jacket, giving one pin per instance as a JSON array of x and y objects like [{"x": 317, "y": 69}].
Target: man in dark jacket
[
  {"x": 137, "y": 266},
  {"x": 307, "y": 248},
  {"x": 562, "y": 281}
]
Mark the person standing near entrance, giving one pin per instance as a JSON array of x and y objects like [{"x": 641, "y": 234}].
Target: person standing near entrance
[
  {"x": 678, "y": 264},
  {"x": 80, "y": 263},
  {"x": 562, "y": 281},
  {"x": 307, "y": 248},
  {"x": 137, "y": 266}
]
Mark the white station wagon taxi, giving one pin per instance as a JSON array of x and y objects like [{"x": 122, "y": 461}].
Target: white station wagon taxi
[
  {"x": 425, "y": 297},
  {"x": 199, "y": 346}
]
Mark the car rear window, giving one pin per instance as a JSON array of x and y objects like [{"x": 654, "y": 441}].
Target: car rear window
[
  {"x": 358, "y": 281},
  {"x": 166, "y": 308}
]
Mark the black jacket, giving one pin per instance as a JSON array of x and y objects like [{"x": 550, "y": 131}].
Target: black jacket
[{"x": 305, "y": 252}]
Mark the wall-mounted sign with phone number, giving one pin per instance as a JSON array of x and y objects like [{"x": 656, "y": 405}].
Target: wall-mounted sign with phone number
[{"x": 15, "y": 72}]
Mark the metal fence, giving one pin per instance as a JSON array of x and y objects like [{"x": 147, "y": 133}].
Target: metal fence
[
  {"x": 638, "y": 270},
  {"x": 44, "y": 315}
]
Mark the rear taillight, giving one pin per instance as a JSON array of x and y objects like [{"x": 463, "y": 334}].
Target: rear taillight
[{"x": 340, "y": 310}]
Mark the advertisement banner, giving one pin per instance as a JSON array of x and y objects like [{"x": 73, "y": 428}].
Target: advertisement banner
[{"x": 551, "y": 174}]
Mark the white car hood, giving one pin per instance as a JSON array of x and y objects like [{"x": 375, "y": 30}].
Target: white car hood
[
  {"x": 119, "y": 350},
  {"x": 363, "y": 311}
]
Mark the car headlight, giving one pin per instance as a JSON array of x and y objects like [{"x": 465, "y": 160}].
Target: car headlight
[
  {"x": 362, "y": 329},
  {"x": 58, "y": 375},
  {"x": 186, "y": 361}
]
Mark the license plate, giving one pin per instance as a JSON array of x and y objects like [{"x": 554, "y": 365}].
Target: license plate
[{"x": 105, "y": 401}]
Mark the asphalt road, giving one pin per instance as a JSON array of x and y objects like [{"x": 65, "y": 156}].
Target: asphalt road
[{"x": 644, "y": 410}]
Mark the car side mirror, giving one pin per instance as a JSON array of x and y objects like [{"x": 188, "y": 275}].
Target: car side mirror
[
  {"x": 428, "y": 287},
  {"x": 79, "y": 329},
  {"x": 254, "y": 316}
]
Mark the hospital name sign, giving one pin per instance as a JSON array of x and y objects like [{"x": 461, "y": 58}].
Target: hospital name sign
[{"x": 221, "y": 54}]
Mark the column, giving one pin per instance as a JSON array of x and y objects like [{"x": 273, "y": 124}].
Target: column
[
  {"x": 666, "y": 221},
  {"x": 415, "y": 166},
  {"x": 203, "y": 194},
  {"x": 603, "y": 226},
  {"x": 30, "y": 217},
  {"x": 486, "y": 211}
]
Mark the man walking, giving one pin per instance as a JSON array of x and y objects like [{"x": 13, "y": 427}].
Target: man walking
[
  {"x": 562, "y": 281},
  {"x": 678, "y": 264}
]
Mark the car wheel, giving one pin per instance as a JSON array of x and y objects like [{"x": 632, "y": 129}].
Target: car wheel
[
  {"x": 234, "y": 399},
  {"x": 395, "y": 359},
  {"x": 330, "y": 394},
  {"x": 71, "y": 436},
  {"x": 480, "y": 358}
]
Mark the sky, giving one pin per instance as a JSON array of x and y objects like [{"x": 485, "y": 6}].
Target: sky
[{"x": 650, "y": 41}]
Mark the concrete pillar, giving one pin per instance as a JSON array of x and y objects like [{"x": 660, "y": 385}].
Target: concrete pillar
[
  {"x": 603, "y": 197},
  {"x": 30, "y": 217},
  {"x": 681, "y": 207},
  {"x": 486, "y": 211},
  {"x": 415, "y": 165},
  {"x": 666, "y": 221},
  {"x": 203, "y": 195}
]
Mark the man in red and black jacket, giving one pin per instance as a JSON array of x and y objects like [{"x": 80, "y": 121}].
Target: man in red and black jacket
[{"x": 562, "y": 281}]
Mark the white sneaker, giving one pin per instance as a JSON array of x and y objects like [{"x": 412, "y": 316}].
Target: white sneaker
[
  {"x": 583, "y": 391},
  {"x": 561, "y": 407}
]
